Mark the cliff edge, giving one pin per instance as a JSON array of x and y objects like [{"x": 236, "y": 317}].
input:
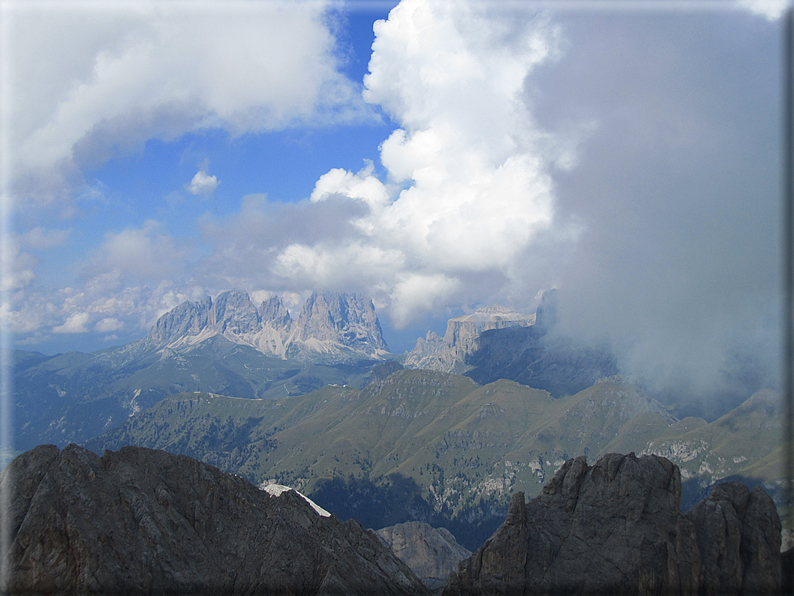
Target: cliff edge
[
  {"x": 616, "y": 528},
  {"x": 140, "y": 521}
]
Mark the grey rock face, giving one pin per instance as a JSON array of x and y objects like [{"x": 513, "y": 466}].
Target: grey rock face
[
  {"x": 738, "y": 534},
  {"x": 346, "y": 318},
  {"x": 787, "y": 570},
  {"x": 331, "y": 328},
  {"x": 274, "y": 311},
  {"x": 616, "y": 528},
  {"x": 234, "y": 313},
  {"x": 141, "y": 521},
  {"x": 189, "y": 318},
  {"x": 612, "y": 528},
  {"x": 494, "y": 343},
  {"x": 462, "y": 339},
  {"x": 431, "y": 553}
]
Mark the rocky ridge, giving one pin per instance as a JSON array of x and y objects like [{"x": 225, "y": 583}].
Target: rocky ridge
[
  {"x": 495, "y": 343},
  {"x": 709, "y": 452},
  {"x": 450, "y": 353},
  {"x": 140, "y": 521},
  {"x": 455, "y": 448},
  {"x": 616, "y": 528},
  {"x": 330, "y": 328},
  {"x": 431, "y": 553}
]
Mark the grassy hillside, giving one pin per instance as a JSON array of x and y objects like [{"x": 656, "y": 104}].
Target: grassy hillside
[
  {"x": 739, "y": 443},
  {"x": 745, "y": 445},
  {"x": 438, "y": 447},
  {"x": 73, "y": 397},
  {"x": 457, "y": 441}
]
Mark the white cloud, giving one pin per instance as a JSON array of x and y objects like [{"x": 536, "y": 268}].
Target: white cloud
[
  {"x": 131, "y": 309},
  {"x": 772, "y": 10},
  {"x": 363, "y": 186},
  {"x": 74, "y": 324},
  {"x": 135, "y": 253},
  {"x": 202, "y": 184},
  {"x": 348, "y": 266},
  {"x": 466, "y": 189},
  {"x": 39, "y": 238},
  {"x": 468, "y": 158},
  {"x": 415, "y": 295},
  {"x": 109, "y": 324},
  {"x": 90, "y": 80},
  {"x": 17, "y": 266}
]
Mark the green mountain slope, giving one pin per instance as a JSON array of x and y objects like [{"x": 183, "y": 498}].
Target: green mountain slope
[
  {"x": 75, "y": 396},
  {"x": 438, "y": 447},
  {"x": 734, "y": 444},
  {"x": 457, "y": 441}
]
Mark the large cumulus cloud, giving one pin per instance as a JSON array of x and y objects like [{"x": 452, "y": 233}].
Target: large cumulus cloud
[
  {"x": 467, "y": 186},
  {"x": 632, "y": 161},
  {"x": 90, "y": 81}
]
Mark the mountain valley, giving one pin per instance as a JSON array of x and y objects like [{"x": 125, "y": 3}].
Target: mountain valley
[
  {"x": 436, "y": 447},
  {"x": 442, "y": 434}
]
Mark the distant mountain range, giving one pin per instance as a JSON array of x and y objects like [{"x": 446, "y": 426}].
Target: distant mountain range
[
  {"x": 226, "y": 346},
  {"x": 318, "y": 403},
  {"x": 496, "y": 343},
  {"x": 415, "y": 423},
  {"x": 438, "y": 447},
  {"x": 331, "y": 328},
  {"x": 451, "y": 353}
]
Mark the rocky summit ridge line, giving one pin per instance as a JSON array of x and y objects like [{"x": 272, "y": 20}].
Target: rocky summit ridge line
[
  {"x": 331, "y": 327},
  {"x": 617, "y": 528},
  {"x": 450, "y": 353},
  {"x": 140, "y": 521}
]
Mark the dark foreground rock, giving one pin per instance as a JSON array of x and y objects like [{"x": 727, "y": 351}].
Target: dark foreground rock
[
  {"x": 431, "y": 553},
  {"x": 738, "y": 535},
  {"x": 787, "y": 570},
  {"x": 616, "y": 528},
  {"x": 142, "y": 521}
]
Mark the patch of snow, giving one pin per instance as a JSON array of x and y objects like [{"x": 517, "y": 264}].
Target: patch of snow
[{"x": 276, "y": 489}]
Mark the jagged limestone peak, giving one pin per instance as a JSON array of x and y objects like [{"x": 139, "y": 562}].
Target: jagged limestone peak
[{"x": 332, "y": 327}]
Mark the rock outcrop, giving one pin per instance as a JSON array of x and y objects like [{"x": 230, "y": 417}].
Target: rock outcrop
[
  {"x": 496, "y": 343},
  {"x": 450, "y": 353},
  {"x": 738, "y": 535},
  {"x": 728, "y": 446},
  {"x": 331, "y": 327},
  {"x": 431, "y": 553},
  {"x": 616, "y": 528},
  {"x": 140, "y": 521}
]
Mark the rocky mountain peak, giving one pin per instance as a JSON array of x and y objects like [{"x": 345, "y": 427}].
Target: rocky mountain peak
[
  {"x": 274, "y": 311},
  {"x": 466, "y": 327},
  {"x": 189, "y": 318},
  {"x": 140, "y": 521},
  {"x": 431, "y": 553},
  {"x": 331, "y": 327},
  {"x": 462, "y": 338},
  {"x": 234, "y": 313},
  {"x": 616, "y": 528},
  {"x": 546, "y": 313},
  {"x": 349, "y": 317}
]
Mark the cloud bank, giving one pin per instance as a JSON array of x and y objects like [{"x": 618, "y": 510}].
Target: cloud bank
[
  {"x": 678, "y": 262},
  {"x": 119, "y": 74},
  {"x": 467, "y": 187},
  {"x": 631, "y": 161}
]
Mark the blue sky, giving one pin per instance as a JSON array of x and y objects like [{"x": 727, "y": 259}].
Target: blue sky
[{"x": 460, "y": 155}]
